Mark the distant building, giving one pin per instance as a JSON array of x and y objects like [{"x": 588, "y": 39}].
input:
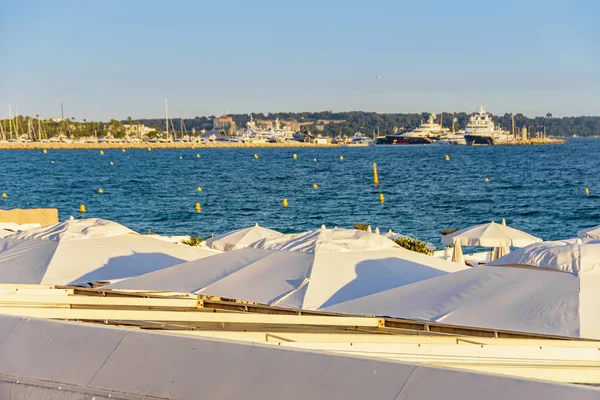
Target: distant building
[
  {"x": 213, "y": 134},
  {"x": 224, "y": 122},
  {"x": 137, "y": 130}
]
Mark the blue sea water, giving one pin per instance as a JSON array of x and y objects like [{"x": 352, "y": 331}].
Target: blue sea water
[{"x": 539, "y": 189}]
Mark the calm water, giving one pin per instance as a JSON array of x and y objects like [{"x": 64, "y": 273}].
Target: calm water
[{"x": 538, "y": 189}]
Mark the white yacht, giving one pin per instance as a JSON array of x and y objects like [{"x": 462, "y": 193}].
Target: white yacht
[
  {"x": 452, "y": 138},
  {"x": 481, "y": 130},
  {"x": 360, "y": 139},
  {"x": 426, "y": 133},
  {"x": 276, "y": 133}
]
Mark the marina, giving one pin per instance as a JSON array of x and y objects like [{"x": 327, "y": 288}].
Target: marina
[{"x": 300, "y": 201}]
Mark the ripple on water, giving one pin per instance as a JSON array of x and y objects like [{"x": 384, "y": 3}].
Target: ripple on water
[{"x": 539, "y": 189}]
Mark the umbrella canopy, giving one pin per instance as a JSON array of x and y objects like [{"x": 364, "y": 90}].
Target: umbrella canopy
[
  {"x": 491, "y": 235},
  {"x": 241, "y": 238},
  {"x": 309, "y": 270},
  {"x": 457, "y": 254},
  {"x": 592, "y": 233},
  {"x": 548, "y": 288},
  {"x": 87, "y": 250}
]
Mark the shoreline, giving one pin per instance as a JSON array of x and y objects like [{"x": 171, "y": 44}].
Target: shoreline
[{"x": 102, "y": 146}]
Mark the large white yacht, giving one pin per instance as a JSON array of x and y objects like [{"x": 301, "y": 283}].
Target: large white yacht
[
  {"x": 482, "y": 131},
  {"x": 426, "y": 133},
  {"x": 276, "y": 133}
]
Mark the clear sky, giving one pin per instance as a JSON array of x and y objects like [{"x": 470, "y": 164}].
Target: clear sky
[{"x": 112, "y": 59}]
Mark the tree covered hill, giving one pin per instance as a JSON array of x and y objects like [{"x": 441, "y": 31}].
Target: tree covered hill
[{"x": 347, "y": 123}]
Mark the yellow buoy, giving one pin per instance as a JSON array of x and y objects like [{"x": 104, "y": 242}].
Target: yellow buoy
[
  {"x": 375, "y": 177},
  {"x": 197, "y": 155},
  {"x": 82, "y": 208},
  {"x": 180, "y": 157},
  {"x": 198, "y": 189},
  {"x": 198, "y": 208},
  {"x": 256, "y": 156},
  {"x": 587, "y": 191},
  {"x": 381, "y": 197},
  {"x": 487, "y": 180},
  {"x": 341, "y": 158},
  {"x": 285, "y": 203},
  {"x": 123, "y": 150},
  {"x": 100, "y": 191},
  {"x": 101, "y": 152},
  {"x": 45, "y": 151},
  {"x": 149, "y": 149},
  {"x": 112, "y": 163},
  {"x": 4, "y": 195},
  {"x": 294, "y": 156},
  {"x": 315, "y": 186},
  {"x": 315, "y": 160},
  {"x": 447, "y": 157},
  {"x": 52, "y": 162}
]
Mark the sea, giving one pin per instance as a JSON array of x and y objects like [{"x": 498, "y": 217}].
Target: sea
[{"x": 538, "y": 189}]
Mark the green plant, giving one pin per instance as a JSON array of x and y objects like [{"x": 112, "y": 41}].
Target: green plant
[
  {"x": 414, "y": 244},
  {"x": 192, "y": 241},
  {"x": 445, "y": 232},
  {"x": 361, "y": 227}
]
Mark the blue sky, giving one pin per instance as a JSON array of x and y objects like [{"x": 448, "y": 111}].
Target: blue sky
[{"x": 112, "y": 59}]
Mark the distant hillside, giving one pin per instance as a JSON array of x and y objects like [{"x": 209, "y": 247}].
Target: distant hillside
[
  {"x": 347, "y": 123},
  {"x": 325, "y": 122}
]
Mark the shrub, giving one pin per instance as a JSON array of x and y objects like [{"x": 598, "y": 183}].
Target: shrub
[
  {"x": 414, "y": 244},
  {"x": 192, "y": 241},
  {"x": 445, "y": 232},
  {"x": 361, "y": 227}
]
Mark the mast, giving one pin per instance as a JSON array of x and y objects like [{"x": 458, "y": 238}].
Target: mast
[
  {"x": 167, "y": 116},
  {"x": 513, "y": 125},
  {"x": 453, "y": 119},
  {"x": 39, "y": 126},
  {"x": 10, "y": 123},
  {"x": 62, "y": 119},
  {"x": 181, "y": 126}
]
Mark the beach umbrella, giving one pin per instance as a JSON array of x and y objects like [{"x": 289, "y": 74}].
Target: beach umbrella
[
  {"x": 86, "y": 250},
  {"x": 491, "y": 235},
  {"x": 457, "y": 254},
  {"x": 546, "y": 288},
  {"x": 309, "y": 270},
  {"x": 498, "y": 236},
  {"x": 592, "y": 233},
  {"x": 240, "y": 238}
]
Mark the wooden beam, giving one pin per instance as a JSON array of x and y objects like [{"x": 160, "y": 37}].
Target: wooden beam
[
  {"x": 22, "y": 300},
  {"x": 205, "y": 317}
]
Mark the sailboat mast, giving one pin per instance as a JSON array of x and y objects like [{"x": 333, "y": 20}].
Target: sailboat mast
[
  {"x": 39, "y": 126},
  {"x": 62, "y": 119},
  {"x": 513, "y": 125},
  {"x": 453, "y": 118},
  {"x": 10, "y": 123},
  {"x": 167, "y": 116}
]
